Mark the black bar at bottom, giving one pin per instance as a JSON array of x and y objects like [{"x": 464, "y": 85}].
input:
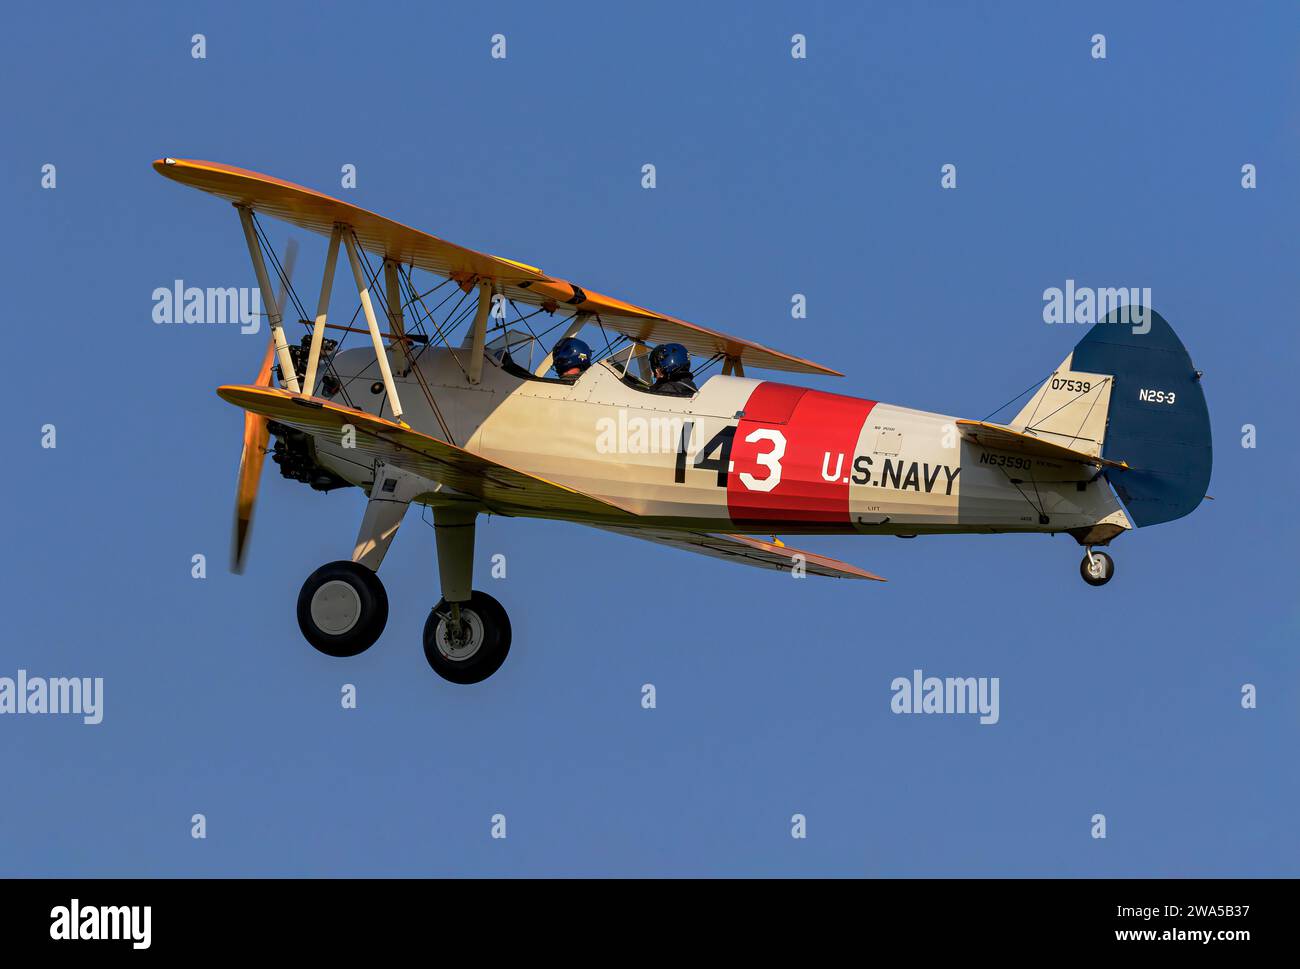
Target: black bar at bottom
[{"x": 333, "y": 917}]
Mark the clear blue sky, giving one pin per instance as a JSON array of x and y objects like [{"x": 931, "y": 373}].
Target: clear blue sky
[{"x": 775, "y": 176}]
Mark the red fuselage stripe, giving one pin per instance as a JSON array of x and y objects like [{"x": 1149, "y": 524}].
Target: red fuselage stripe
[{"x": 807, "y": 437}]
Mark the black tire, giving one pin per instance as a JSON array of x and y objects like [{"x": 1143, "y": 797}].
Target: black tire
[
  {"x": 1094, "y": 578},
  {"x": 489, "y": 626},
  {"x": 326, "y": 627}
]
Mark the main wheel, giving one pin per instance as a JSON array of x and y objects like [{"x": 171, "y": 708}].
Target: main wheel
[
  {"x": 1097, "y": 569},
  {"x": 475, "y": 650},
  {"x": 342, "y": 608}
]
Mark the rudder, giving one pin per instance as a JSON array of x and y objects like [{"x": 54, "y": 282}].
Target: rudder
[{"x": 1158, "y": 421}]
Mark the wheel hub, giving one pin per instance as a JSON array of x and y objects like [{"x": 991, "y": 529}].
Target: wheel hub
[
  {"x": 458, "y": 641},
  {"x": 335, "y": 607}
]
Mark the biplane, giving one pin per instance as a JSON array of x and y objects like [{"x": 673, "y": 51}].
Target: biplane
[{"x": 449, "y": 402}]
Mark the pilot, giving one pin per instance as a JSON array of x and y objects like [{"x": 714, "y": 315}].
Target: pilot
[
  {"x": 671, "y": 366},
  {"x": 571, "y": 357}
]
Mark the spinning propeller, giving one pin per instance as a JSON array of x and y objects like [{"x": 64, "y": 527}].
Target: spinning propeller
[{"x": 257, "y": 434}]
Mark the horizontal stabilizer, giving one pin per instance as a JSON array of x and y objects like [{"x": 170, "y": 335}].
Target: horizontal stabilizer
[
  {"x": 747, "y": 550},
  {"x": 997, "y": 437}
]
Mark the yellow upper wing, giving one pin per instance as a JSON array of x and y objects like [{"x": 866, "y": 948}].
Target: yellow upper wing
[{"x": 526, "y": 284}]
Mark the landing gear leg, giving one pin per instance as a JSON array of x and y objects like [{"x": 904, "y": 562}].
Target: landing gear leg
[
  {"x": 467, "y": 635},
  {"x": 1096, "y": 567},
  {"x": 343, "y": 608}
]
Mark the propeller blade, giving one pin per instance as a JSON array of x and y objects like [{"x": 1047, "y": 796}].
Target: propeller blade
[{"x": 256, "y": 436}]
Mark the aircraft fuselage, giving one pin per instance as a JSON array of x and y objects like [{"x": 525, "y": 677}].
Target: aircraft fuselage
[{"x": 742, "y": 455}]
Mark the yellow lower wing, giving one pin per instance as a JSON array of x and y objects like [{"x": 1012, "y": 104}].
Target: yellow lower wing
[
  {"x": 748, "y": 550},
  {"x": 501, "y": 489}
]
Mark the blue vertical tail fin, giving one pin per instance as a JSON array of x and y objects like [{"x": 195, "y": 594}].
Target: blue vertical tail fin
[{"x": 1157, "y": 421}]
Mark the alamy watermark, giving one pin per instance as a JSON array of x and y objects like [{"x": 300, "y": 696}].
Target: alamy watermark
[
  {"x": 949, "y": 694},
  {"x": 634, "y": 434},
  {"x": 215, "y": 304},
  {"x": 77, "y": 695},
  {"x": 75, "y": 922},
  {"x": 1127, "y": 306}
]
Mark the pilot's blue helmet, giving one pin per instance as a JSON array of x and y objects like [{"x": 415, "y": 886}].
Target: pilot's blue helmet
[
  {"x": 569, "y": 353},
  {"x": 671, "y": 358}
]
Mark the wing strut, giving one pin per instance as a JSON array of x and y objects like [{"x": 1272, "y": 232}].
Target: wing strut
[
  {"x": 322, "y": 310},
  {"x": 393, "y": 297},
  {"x": 478, "y": 335},
  {"x": 268, "y": 299},
  {"x": 381, "y": 352},
  {"x": 733, "y": 366}
]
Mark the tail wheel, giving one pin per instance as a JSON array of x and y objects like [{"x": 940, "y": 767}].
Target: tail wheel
[
  {"x": 471, "y": 647},
  {"x": 1097, "y": 568},
  {"x": 342, "y": 609}
]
